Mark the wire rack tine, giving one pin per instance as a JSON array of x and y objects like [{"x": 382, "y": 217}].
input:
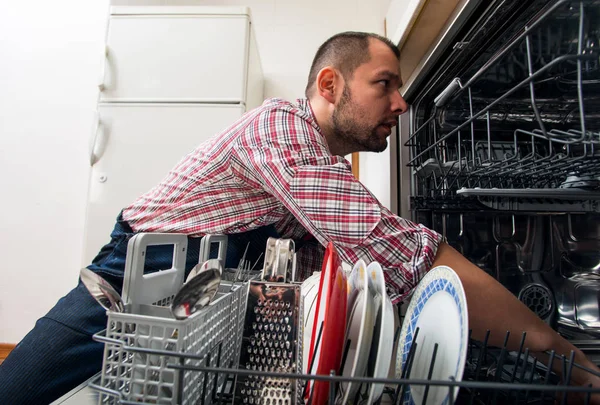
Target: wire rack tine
[
  {"x": 399, "y": 394},
  {"x": 514, "y": 373},
  {"x": 480, "y": 360},
  {"x": 568, "y": 375},
  {"x": 530, "y": 379}
]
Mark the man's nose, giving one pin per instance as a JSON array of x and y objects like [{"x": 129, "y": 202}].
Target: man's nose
[{"x": 399, "y": 105}]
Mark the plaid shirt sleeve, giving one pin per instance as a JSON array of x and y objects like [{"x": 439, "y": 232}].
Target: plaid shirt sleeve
[
  {"x": 309, "y": 259},
  {"x": 283, "y": 152}
]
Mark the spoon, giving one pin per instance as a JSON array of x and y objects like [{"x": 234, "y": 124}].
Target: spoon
[
  {"x": 199, "y": 290},
  {"x": 109, "y": 299},
  {"x": 101, "y": 290},
  {"x": 201, "y": 267}
]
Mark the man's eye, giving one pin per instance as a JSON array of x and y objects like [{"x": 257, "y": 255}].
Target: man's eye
[{"x": 384, "y": 82}]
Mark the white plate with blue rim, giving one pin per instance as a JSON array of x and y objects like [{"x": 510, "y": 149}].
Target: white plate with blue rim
[{"x": 438, "y": 309}]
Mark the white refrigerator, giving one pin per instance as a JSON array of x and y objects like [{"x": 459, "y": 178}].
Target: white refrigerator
[{"x": 172, "y": 78}]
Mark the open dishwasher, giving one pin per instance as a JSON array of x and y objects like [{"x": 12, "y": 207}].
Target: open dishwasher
[{"x": 500, "y": 153}]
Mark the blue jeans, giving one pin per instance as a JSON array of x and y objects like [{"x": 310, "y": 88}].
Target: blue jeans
[{"x": 58, "y": 353}]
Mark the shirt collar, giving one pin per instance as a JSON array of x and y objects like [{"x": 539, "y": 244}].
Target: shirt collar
[{"x": 305, "y": 106}]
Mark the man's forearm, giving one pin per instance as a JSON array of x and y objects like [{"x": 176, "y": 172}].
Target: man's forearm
[{"x": 492, "y": 307}]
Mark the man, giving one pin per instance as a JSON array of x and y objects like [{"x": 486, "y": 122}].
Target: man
[{"x": 279, "y": 171}]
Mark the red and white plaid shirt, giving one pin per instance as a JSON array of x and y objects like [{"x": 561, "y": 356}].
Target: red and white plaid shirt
[{"x": 273, "y": 166}]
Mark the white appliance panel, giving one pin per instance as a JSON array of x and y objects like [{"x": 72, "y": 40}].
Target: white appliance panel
[
  {"x": 133, "y": 149},
  {"x": 176, "y": 58}
]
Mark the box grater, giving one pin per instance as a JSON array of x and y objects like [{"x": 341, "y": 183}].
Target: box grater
[{"x": 271, "y": 343}]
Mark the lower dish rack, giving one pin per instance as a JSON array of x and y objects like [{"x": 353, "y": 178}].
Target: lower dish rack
[
  {"x": 209, "y": 357},
  {"x": 493, "y": 375}
]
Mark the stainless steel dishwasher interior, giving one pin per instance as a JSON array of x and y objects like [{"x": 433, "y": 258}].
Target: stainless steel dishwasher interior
[{"x": 505, "y": 156}]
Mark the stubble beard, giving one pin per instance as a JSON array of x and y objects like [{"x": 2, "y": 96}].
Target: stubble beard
[{"x": 347, "y": 126}]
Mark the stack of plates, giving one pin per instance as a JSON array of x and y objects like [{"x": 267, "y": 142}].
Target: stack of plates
[
  {"x": 382, "y": 348},
  {"x": 326, "y": 339},
  {"x": 438, "y": 309},
  {"x": 369, "y": 333},
  {"x": 359, "y": 332}
]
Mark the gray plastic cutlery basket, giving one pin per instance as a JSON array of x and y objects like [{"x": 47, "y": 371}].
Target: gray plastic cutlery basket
[{"x": 143, "y": 340}]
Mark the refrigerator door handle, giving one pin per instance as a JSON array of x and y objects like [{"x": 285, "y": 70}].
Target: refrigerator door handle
[
  {"x": 102, "y": 76},
  {"x": 97, "y": 138}
]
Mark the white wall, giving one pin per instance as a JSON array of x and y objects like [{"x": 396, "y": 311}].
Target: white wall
[
  {"x": 50, "y": 64},
  {"x": 50, "y": 61}
]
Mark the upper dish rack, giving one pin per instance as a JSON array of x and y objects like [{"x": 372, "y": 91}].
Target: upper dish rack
[{"x": 521, "y": 130}]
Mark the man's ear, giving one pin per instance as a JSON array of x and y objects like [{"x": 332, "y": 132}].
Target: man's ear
[{"x": 328, "y": 83}]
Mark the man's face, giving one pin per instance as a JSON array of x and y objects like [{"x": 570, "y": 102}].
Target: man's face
[{"x": 370, "y": 103}]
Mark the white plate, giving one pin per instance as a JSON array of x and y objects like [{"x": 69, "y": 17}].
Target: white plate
[
  {"x": 356, "y": 282},
  {"x": 439, "y": 309},
  {"x": 310, "y": 290},
  {"x": 382, "y": 347},
  {"x": 359, "y": 332}
]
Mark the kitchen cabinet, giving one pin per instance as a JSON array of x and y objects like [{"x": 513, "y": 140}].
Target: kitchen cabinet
[
  {"x": 173, "y": 77},
  {"x": 180, "y": 55}
]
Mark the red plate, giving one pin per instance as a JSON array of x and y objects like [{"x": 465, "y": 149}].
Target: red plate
[{"x": 331, "y": 312}]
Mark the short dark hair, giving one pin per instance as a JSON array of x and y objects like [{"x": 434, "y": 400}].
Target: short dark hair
[{"x": 345, "y": 51}]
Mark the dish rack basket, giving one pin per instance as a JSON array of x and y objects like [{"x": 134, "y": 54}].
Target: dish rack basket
[
  {"x": 143, "y": 340},
  {"x": 518, "y": 130},
  {"x": 151, "y": 358},
  {"x": 492, "y": 375}
]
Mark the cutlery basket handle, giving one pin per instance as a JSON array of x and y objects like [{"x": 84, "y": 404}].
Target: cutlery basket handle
[
  {"x": 148, "y": 289},
  {"x": 206, "y": 243}
]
